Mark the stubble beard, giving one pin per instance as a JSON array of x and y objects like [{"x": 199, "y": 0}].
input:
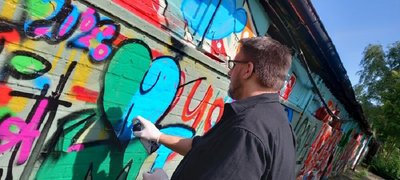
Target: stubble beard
[
  {"x": 230, "y": 92},
  {"x": 233, "y": 91}
]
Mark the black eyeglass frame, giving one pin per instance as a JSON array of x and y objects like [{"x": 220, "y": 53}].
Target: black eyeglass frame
[{"x": 232, "y": 63}]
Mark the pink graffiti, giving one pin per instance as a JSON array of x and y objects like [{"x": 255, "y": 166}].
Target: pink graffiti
[
  {"x": 93, "y": 41},
  {"x": 41, "y": 31},
  {"x": 85, "y": 40},
  {"x": 88, "y": 20},
  {"x": 104, "y": 32},
  {"x": 64, "y": 29},
  {"x": 101, "y": 52},
  {"x": 76, "y": 148},
  {"x": 26, "y": 134},
  {"x": 109, "y": 31}
]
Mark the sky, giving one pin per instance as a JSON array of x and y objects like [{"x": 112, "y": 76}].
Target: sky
[{"x": 353, "y": 24}]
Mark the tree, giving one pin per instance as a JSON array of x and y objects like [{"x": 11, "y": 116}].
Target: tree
[{"x": 378, "y": 91}]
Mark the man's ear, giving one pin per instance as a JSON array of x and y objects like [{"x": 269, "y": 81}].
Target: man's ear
[{"x": 249, "y": 70}]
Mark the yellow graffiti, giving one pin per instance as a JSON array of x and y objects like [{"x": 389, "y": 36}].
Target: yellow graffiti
[
  {"x": 165, "y": 51},
  {"x": 58, "y": 56},
  {"x": 70, "y": 59},
  {"x": 28, "y": 45},
  {"x": 18, "y": 104},
  {"x": 248, "y": 30},
  {"x": 81, "y": 74},
  {"x": 82, "y": 71},
  {"x": 12, "y": 47},
  {"x": 9, "y": 7}
]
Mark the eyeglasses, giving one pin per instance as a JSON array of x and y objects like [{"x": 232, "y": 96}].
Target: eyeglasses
[{"x": 232, "y": 63}]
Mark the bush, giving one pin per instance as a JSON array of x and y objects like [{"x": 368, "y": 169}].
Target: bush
[
  {"x": 387, "y": 164},
  {"x": 363, "y": 174}
]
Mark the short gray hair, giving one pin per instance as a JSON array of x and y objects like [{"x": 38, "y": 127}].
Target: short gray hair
[{"x": 271, "y": 60}]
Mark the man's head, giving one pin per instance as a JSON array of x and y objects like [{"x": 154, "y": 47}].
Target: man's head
[{"x": 261, "y": 64}]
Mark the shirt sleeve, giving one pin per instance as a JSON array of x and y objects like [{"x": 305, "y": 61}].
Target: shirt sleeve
[
  {"x": 195, "y": 140},
  {"x": 238, "y": 154}
]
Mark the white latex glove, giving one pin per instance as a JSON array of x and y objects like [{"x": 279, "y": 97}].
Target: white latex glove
[
  {"x": 149, "y": 132},
  {"x": 158, "y": 174}
]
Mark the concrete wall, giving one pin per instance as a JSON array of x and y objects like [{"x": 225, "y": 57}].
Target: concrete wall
[{"x": 73, "y": 74}]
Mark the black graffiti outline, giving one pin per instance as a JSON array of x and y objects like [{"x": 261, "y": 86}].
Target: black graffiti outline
[
  {"x": 6, "y": 27},
  {"x": 49, "y": 112},
  {"x": 301, "y": 130},
  {"x": 14, "y": 73},
  {"x": 54, "y": 24}
]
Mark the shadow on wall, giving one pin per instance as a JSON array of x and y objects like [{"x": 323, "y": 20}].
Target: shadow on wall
[{"x": 103, "y": 158}]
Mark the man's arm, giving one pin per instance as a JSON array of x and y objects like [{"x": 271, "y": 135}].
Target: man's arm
[
  {"x": 152, "y": 133},
  {"x": 177, "y": 144}
]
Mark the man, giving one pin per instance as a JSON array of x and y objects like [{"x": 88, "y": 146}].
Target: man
[{"x": 253, "y": 139}]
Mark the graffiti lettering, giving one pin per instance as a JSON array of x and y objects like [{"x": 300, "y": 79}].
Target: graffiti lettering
[
  {"x": 48, "y": 20},
  {"x": 14, "y": 130},
  {"x": 198, "y": 112},
  {"x": 321, "y": 149},
  {"x": 97, "y": 41},
  {"x": 306, "y": 132},
  {"x": 61, "y": 23}
]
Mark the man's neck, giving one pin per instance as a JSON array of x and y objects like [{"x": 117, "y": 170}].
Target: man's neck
[{"x": 249, "y": 92}]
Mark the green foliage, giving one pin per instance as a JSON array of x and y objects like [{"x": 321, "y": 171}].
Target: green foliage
[
  {"x": 378, "y": 91},
  {"x": 363, "y": 174},
  {"x": 387, "y": 163}
]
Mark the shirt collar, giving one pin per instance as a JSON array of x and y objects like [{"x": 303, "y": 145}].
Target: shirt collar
[{"x": 243, "y": 104}]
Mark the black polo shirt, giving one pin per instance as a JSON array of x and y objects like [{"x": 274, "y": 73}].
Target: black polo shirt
[{"x": 253, "y": 140}]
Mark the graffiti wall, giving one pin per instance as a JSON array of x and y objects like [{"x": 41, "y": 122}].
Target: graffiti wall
[{"x": 73, "y": 74}]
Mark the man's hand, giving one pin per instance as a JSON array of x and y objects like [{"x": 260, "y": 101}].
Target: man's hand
[
  {"x": 149, "y": 131},
  {"x": 158, "y": 174}
]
